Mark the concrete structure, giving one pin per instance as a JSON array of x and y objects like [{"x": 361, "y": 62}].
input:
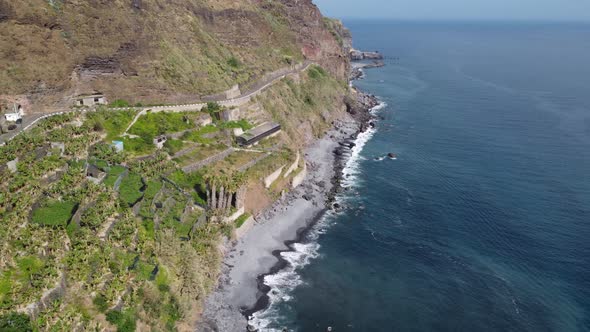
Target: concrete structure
[
  {"x": 269, "y": 180},
  {"x": 238, "y": 131},
  {"x": 94, "y": 174},
  {"x": 12, "y": 165},
  {"x": 245, "y": 228},
  {"x": 235, "y": 215},
  {"x": 90, "y": 100},
  {"x": 58, "y": 146},
  {"x": 118, "y": 145},
  {"x": 234, "y": 92},
  {"x": 159, "y": 141},
  {"x": 204, "y": 120},
  {"x": 299, "y": 178},
  {"x": 293, "y": 166},
  {"x": 16, "y": 114},
  {"x": 232, "y": 114},
  {"x": 259, "y": 133}
]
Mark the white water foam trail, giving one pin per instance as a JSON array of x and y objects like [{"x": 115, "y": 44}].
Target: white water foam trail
[{"x": 284, "y": 282}]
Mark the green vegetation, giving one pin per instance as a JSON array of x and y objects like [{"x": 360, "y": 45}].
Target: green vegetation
[
  {"x": 242, "y": 219},
  {"x": 124, "y": 321},
  {"x": 15, "y": 322},
  {"x": 154, "y": 124},
  {"x": 113, "y": 123},
  {"x": 54, "y": 213},
  {"x": 154, "y": 258},
  {"x": 113, "y": 174},
  {"x": 119, "y": 103},
  {"x": 129, "y": 191},
  {"x": 172, "y": 146},
  {"x": 233, "y": 62},
  {"x": 243, "y": 123},
  {"x": 316, "y": 72}
]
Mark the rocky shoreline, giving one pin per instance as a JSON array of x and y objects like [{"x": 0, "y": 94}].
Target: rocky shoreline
[{"x": 241, "y": 290}]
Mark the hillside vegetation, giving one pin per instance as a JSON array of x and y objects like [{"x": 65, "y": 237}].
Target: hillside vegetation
[
  {"x": 97, "y": 239},
  {"x": 155, "y": 51}
]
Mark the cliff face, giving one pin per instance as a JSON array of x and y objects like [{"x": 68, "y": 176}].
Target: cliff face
[{"x": 154, "y": 50}]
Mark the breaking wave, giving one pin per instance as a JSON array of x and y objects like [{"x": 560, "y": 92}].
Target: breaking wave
[{"x": 285, "y": 281}]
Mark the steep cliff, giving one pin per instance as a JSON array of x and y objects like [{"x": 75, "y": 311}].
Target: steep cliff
[
  {"x": 95, "y": 238},
  {"x": 155, "y": 51}
]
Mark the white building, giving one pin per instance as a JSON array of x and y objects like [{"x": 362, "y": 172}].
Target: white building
[
  {"x": 17, "y": 114},
  {"x": 91, "y": 100}
]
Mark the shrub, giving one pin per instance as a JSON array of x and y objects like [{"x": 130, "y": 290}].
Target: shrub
[
  {"x": 101, "y": 303},
  {"x": 15, "y": 322},
  {"x": 233, "y": 62},
  {"x": 125, "y": 321},
  {"x": 119, "y": 103}
]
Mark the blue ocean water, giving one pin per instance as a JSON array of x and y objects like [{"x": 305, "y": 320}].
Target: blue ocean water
[{"x": 483, "y": 221}]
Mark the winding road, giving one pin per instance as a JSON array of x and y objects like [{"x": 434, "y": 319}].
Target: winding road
[{"x": 269, "y": 79}]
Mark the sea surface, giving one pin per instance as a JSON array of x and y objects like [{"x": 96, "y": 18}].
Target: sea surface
[{"x": 483, "y": 221}]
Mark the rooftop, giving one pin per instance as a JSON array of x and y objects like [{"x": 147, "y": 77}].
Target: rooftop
[{"x": 263, "y": 128}]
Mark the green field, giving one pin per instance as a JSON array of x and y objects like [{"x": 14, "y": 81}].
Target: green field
[
  {"x": 113, "y": 175},
  {"x": 54, "y": 213},
  {"x": 129, "y": 191},
  {"x": 154, "y": 124}
]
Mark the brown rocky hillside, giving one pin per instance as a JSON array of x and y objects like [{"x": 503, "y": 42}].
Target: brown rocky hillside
[{"x": 156, "y": 51}]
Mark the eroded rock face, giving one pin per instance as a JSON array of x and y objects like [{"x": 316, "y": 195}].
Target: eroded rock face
[{"x": 159, "y": 51}]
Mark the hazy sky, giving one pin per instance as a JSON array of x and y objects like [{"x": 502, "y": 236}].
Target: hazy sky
[{"x": 555, "y": 10}]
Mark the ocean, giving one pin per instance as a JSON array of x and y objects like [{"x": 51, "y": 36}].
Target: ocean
[{"x": 482, "y": 223}]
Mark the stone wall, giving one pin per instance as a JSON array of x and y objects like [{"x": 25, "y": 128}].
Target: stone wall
[
  {"x": 299, "y": 178},
  {"x": 236, "y": 215},
  {"x": 48, "y": 298},
  {"x": 200, "y": 164},
  {"x": 245, "y": 228},
  {"x": 294, "y": 166},
  {"x": 269, "y": 180}
]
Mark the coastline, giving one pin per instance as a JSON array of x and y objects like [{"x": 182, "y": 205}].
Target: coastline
[{"x": 241, "y": 290}]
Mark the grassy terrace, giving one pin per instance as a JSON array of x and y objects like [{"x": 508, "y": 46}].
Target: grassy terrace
[
  {"x": 130, "y": 189},
  {"x": 268, "y": 165},
  {"x": 200, "y": 153},
  {"x": 54, "y": 213},
  {"x": 236, "y": 160},
  {"x": 154, "y": 124},
  {"x": 113, "y": 174}
]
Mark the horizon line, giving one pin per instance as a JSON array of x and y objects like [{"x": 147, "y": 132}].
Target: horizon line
[{"x": 459, "y": 20}]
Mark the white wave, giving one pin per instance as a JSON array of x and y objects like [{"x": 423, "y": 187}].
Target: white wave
[{"x": 285, "y": 281}]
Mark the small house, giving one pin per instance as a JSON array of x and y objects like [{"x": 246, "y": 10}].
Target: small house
[
  {"x": 90, "y": 100},
  {"x": 255, "y": 135},
  {"x": 16, "y": 115},
  {"x": 119, "y": 146},
  {"x": 159, "y": 141},
  {"x": 94, "y": 174}
]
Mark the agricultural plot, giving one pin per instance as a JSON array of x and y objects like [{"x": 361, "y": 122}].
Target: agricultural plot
[
  {"x": 54, "y": 213},
  {"x": 130, "y": 190}
]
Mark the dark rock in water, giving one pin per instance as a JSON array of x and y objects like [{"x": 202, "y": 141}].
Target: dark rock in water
[
  {"x": 251, "y": 328},
  {"x": 336, "y": 206},
  {"x": 372, "y": 124},
  {"x": 338, "y": 152},
  {"x": 351, "y": 145},
  {"x": 391, "y": 155}
]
